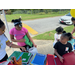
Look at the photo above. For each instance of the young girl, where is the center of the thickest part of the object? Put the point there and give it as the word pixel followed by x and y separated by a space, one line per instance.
pixel 63 46
pixel 3 42
pixel 19 32
pixel 57 35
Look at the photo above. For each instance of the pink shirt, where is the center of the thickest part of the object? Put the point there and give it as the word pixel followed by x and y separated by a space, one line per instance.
pixel 19 34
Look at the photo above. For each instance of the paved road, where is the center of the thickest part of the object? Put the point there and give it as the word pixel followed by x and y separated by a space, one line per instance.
pixel 40 25
pixel 45 24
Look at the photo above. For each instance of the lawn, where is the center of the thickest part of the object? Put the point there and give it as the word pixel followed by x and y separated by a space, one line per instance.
pixel 46 36
pixel 33 16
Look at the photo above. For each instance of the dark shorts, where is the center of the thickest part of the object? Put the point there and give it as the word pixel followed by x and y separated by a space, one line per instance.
pixel 5 58
pixel 27 47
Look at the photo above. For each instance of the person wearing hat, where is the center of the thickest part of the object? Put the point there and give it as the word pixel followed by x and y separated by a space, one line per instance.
pixel 19 32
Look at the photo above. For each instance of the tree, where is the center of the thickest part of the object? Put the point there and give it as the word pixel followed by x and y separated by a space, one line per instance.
pixel 12 10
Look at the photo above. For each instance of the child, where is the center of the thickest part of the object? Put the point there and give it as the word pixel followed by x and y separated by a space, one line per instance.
pixel 57 35
pixel 63 46
pixel 73 21
pixel 19 32
pixel 3 42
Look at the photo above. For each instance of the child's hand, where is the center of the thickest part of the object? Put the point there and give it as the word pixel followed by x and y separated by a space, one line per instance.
pixel 74 51
pixel 23 48
pixel 35 45
pixel 61 59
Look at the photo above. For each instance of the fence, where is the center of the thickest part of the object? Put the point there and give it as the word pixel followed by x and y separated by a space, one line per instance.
pixel 41 11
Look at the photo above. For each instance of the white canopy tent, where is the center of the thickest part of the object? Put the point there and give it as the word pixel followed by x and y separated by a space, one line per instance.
pixel 5 20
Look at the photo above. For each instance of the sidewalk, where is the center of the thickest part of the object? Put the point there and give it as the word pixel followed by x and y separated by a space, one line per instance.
pixel 43 47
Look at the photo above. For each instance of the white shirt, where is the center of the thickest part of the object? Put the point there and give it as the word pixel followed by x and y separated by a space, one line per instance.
pixel 56 37
pixel 3 40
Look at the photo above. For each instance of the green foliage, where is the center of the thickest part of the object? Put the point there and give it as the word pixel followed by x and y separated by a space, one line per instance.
pixel 9 12
pixel 31 16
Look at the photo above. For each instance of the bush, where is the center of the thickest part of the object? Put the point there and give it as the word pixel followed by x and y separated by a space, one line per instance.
pixel 28 12
pixel 42 13
pixel 9 12
pixel 19 12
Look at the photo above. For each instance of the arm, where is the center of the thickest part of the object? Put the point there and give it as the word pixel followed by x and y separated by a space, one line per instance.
pixel 31 39
pixel 70 48
pixel 73 37
pixel 73 31
pixel 14 40
pixel 60 57
pixel 55 51
pixel 14 46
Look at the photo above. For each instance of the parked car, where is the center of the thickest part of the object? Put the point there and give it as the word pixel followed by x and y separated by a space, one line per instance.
pixel 66 19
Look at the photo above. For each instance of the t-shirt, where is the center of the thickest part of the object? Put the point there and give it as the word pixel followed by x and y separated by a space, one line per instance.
pixel 19 34
pixel 56 37
pixel 63 48
pixel 3 40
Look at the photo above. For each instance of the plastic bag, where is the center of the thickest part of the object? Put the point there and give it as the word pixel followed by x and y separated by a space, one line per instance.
pixel 33 50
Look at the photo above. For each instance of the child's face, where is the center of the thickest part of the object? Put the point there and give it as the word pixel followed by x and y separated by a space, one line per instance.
pixel 18 28
pixel 2 30
pixel 63 39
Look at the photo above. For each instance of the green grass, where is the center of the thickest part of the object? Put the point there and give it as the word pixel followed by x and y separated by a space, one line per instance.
pixel 33 16
pixel 45 36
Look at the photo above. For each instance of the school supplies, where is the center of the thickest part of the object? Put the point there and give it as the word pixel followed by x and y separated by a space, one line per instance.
pixel 16 54
pixel 26 58
pixel 69 59
pixel 50 60
pixel 16 62
pixel 27 41
pixel 38 59
pixel 24 55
